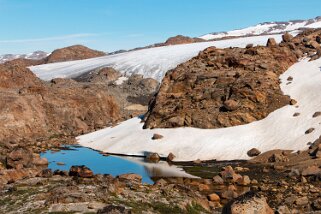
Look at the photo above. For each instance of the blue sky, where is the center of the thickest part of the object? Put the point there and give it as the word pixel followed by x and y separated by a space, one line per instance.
pixel 108 25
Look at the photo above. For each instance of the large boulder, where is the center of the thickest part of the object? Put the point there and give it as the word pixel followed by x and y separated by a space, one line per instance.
pixel 271 42
pixel 248 203
pixel 19 157
pixel 287 37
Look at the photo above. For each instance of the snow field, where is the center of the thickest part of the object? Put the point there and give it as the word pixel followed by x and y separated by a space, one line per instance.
pixel 280 130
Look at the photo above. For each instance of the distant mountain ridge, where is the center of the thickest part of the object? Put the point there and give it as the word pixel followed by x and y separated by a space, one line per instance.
pixel 266 28
pixel 75 52
pixel 34 56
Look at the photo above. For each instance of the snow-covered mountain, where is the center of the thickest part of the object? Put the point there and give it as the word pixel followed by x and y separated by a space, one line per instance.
pixel 267 28
pixel 34 55
pixel 155 62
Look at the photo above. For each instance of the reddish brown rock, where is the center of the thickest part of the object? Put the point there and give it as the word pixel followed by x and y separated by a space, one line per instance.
pixel 228 174
pixel 287 37
pixel 157 136
pixel 170 157
pixel 131 177
pixel 276 158
pixel 293 102
pixel 33 109
pixel 153 157
pixel 221 88
pixel 179 39
pixel 311 170
pixel 271 42
pixel 229 194
pixel 19 156
pixel 81 171
pixel 213 197
pixel 101 75
pixel 231 105
pixel 253 152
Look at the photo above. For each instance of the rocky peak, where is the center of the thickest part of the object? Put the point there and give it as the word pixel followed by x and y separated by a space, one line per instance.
pixel 179 39
pixel 75 52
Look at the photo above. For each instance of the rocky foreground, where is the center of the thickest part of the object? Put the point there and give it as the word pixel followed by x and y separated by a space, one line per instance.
pixel 228 86
pixel 275 181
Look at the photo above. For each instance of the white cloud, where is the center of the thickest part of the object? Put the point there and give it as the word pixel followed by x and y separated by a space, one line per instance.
pixel 48 39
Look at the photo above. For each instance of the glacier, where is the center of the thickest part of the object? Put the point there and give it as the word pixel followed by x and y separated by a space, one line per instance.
pixel 151 62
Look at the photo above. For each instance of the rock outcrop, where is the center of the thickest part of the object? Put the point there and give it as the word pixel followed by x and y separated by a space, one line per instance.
pixel 30 108
pixel 227 87
pixel 179 39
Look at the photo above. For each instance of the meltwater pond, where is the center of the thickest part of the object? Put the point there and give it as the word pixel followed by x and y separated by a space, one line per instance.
pixel 113 165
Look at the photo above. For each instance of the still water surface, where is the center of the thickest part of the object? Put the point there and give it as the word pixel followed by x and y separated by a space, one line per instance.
pixel 113 165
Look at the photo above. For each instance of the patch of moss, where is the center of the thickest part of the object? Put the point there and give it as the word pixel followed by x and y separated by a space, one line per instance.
pixel 202 171
pixel 164 208
pixel 195 209
pixel 62 212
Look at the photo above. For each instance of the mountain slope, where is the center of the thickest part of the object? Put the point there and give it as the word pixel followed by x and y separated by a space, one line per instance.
pixel 267 28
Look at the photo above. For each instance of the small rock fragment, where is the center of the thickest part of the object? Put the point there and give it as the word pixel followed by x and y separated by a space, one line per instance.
pixel 293 102
pixel 310 130
pixel 157 137
pixel 253 152
pixel 316 114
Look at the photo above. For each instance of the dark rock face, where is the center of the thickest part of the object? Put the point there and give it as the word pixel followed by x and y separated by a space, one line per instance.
pixel 227 87
pixel 81 171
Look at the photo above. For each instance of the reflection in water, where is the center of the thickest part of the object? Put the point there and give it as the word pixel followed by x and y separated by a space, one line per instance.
pixel 161 169
pixel 114 165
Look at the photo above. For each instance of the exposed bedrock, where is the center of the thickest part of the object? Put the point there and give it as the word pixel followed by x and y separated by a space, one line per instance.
pixel 228 87
pixel 30 108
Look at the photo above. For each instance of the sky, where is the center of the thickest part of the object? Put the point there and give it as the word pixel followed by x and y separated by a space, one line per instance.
pixel 109 25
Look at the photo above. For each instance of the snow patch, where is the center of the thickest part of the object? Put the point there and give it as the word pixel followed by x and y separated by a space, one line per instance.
pixel 121 80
